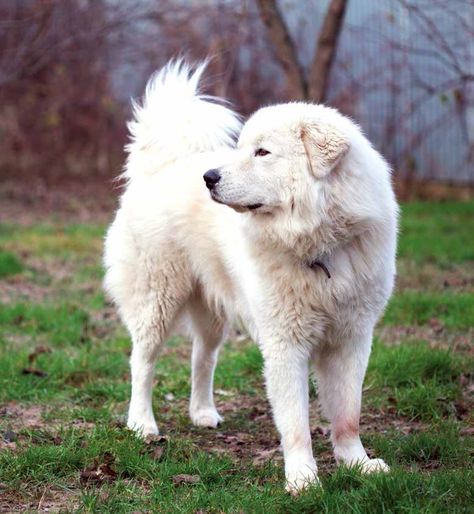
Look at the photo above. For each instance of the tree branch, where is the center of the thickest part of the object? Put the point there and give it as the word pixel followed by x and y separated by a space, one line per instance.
pixel 284 48
pixel 326 50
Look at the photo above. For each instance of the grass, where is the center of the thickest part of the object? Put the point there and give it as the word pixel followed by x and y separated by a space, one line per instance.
pixel 419 307
pixel 10 264
pixel 420 381
pixel 437 232
pixel 64 388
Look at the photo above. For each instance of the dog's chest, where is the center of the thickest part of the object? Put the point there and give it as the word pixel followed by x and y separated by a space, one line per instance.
pixel 307 306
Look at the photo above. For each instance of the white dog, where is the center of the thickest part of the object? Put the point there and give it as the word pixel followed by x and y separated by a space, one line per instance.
pixel 297 238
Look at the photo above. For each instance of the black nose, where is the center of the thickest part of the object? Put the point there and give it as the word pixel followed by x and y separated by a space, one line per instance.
pixel 211 178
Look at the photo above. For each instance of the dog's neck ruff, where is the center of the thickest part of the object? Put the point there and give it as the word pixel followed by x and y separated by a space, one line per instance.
pixel 318 264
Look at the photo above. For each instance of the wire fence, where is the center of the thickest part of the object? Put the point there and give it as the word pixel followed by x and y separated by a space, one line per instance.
pixel 405 72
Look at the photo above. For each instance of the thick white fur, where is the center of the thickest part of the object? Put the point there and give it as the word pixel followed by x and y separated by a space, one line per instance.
pixel 173 254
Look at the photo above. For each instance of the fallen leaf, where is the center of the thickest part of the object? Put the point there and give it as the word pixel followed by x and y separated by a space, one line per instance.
pixel 154 439
pixel 38 351
pixel 436 325
pixel 154 446
pixel 108 458
pixel 119 422
pixel 7 446
pixel 186 479
pixel 157 453
pixel 99 473
pixel 35 372
pixel 264 456
pixel 10 436
pixel 461 409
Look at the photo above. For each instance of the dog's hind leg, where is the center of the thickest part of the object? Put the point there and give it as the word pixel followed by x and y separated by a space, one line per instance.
pixel 207 334
pixel 147 343
pixel 340 374
pixel 150 295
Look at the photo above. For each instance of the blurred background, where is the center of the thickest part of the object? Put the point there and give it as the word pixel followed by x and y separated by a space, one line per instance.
pixel 404 69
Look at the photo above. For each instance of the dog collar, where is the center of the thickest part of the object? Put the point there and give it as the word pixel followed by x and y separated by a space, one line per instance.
pixel 315 263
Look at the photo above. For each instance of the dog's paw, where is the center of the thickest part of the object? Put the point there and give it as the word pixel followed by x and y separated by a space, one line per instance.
pixel 143 429
pixel 299 479
pixel 374 466
pixel 207 417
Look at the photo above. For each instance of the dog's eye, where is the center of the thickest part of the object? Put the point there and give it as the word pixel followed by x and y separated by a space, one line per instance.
pixel 261 152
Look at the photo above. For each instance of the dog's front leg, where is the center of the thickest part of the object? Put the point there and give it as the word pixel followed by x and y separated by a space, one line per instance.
pixel 286 375
pixel 340 371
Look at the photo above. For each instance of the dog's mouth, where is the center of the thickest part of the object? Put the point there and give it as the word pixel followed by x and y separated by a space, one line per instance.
pixel 254 206
pixel 236 207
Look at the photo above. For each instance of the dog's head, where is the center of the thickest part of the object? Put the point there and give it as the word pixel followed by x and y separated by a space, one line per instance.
pixel 283 153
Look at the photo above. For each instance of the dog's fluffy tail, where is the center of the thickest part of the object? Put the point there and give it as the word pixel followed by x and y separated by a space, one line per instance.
pixel 175 120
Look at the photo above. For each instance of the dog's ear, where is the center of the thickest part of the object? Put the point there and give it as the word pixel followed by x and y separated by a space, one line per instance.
pixel 324 145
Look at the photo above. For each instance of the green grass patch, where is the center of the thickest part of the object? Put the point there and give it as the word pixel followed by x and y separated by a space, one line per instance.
pixel 241 369
pixel 441 447
pixel 417 308
pixel 64 324
pixel 408 364
pixel 9 264
pixel 146 483
pixel 41 462
pixel 53 240
pixel 437 232
pixel 84 374
pixel 422 382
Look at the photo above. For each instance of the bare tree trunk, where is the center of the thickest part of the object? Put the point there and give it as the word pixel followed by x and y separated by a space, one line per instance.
pixel 325 51
pixel 284 48
pixel 315 87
